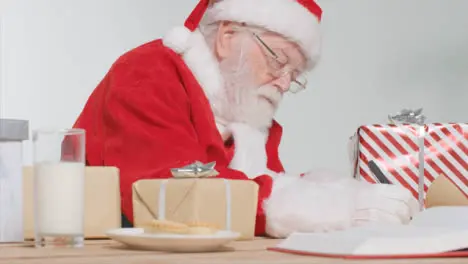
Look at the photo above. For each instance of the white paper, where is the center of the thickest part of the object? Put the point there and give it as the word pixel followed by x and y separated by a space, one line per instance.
pixel 435 230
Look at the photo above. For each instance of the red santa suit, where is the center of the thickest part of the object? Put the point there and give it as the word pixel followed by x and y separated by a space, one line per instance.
pixel 149 114
pixel 153 112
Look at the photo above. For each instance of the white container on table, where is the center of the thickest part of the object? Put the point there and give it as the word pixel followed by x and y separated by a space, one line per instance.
pixel 12 134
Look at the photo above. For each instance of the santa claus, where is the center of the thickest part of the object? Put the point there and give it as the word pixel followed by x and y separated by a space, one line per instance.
pixel 208 91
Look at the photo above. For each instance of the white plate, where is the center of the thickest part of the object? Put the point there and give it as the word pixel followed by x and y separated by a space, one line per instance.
pixel 136 238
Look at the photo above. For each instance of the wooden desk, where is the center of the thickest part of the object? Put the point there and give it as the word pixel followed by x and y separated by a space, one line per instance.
pixel 110 252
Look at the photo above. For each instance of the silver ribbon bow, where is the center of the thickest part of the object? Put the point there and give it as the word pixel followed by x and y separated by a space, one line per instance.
pixel 416 117
pixel 195 170
pixel 408 116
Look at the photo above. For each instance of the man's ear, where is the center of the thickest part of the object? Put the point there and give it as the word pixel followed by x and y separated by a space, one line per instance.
pixel 224 39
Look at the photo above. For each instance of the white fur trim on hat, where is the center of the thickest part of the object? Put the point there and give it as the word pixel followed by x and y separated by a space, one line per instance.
pixel 178 39
pixel 286 17
pixel 198 57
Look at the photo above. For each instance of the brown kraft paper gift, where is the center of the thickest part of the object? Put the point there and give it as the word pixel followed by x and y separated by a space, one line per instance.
pixel 194 200
pixel 102 201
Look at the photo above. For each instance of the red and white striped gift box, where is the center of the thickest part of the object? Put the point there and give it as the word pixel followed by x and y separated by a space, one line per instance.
pixel 398 149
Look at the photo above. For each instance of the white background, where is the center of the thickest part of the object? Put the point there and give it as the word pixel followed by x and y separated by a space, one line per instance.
pixel 378 57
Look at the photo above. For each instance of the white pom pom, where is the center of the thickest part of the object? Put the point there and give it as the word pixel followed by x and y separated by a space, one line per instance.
pixel 178 39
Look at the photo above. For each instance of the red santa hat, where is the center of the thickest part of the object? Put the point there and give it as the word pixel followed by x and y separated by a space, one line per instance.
pixel 297 20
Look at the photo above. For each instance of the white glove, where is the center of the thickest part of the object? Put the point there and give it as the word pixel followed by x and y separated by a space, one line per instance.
pixel 321 202
pixel 377 203
pixel 384 203
pixel 250 155
pixel 302 205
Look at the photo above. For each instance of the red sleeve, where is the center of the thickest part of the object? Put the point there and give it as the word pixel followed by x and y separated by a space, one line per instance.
pixel 265 183
pixel 149 129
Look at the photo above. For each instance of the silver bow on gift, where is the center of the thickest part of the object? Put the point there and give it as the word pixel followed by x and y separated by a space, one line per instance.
pixel 408 116
pixel 195 170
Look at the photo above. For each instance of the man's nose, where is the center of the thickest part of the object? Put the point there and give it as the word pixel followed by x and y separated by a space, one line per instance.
pixel 283 82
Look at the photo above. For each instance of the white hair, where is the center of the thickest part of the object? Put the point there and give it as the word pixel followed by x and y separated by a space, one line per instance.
pixel 209 32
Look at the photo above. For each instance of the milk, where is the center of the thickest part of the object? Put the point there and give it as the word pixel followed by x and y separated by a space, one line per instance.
pixel 59 198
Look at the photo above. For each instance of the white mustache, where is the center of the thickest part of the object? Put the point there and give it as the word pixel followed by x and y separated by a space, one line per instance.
pixel 271 93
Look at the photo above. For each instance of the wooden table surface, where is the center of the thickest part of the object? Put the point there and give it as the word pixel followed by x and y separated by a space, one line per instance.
pixel 108 251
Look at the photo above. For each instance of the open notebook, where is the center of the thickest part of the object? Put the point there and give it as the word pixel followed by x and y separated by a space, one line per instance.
pixel 435 232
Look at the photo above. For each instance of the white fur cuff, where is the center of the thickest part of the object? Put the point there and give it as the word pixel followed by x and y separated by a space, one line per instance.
pixel 316 203
pixel 300 205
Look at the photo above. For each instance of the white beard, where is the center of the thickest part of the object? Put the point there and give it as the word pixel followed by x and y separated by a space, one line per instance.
pixel 242 101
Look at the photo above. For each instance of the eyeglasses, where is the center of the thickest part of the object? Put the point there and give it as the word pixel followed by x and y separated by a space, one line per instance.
pixel 280 69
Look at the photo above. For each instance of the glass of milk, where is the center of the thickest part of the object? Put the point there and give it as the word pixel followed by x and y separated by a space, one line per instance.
pixel 59 170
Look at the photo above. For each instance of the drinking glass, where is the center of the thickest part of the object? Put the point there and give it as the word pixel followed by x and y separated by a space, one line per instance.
pixel 59 170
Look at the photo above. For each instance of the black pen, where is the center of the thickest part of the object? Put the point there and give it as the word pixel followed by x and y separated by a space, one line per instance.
pixel 378 173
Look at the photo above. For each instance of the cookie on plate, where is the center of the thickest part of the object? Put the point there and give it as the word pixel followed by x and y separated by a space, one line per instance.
pixel 165 226
pixel 202 231
pixel 198 228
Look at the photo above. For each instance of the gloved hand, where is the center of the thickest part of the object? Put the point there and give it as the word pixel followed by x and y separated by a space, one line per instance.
pixel 321 201
pixel 249 149
pixel 384 203
pixel 379 203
